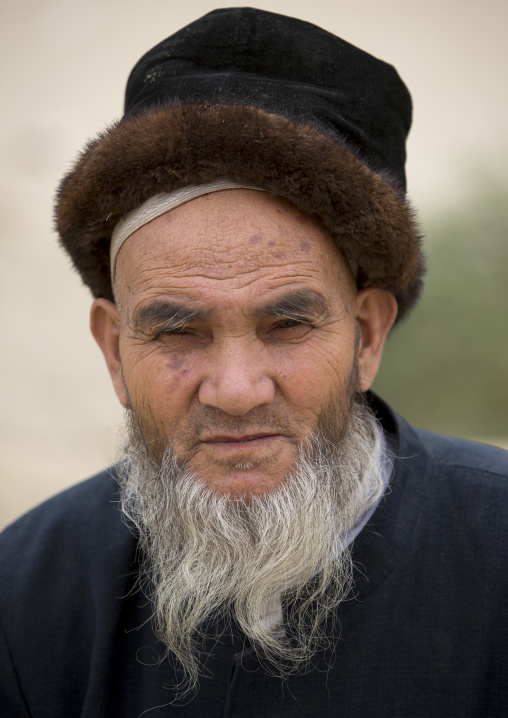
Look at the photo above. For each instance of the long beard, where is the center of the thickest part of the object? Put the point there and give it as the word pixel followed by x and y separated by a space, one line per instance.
pixel 207 556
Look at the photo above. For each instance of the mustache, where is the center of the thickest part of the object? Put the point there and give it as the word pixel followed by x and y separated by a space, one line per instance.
pixel 205 422
pixel 226 425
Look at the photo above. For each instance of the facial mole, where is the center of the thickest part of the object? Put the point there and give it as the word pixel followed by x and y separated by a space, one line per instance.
pixel 177 364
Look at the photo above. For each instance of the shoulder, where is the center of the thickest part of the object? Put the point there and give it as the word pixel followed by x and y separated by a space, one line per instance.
pixel 63 568
pixel 86 508
pixel 466 488
pixel 472 468
pixel 460 454
pixel 79 530
pixel 448 482
pixel 432 456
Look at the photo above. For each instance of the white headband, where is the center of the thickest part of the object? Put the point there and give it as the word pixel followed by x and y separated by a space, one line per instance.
pixel 160 204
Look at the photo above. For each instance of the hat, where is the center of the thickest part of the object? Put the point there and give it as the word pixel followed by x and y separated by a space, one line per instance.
pixel 265 100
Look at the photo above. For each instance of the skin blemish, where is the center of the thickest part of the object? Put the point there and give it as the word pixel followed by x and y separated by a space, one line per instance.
pixel 271 243
pixel 255 239
pixel 305 247
pixel 177 364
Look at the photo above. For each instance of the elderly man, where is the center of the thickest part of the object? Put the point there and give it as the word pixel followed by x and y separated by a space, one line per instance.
pixel 274 540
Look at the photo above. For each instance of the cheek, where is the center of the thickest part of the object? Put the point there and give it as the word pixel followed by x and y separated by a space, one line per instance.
pixel 312 375
pixel 159 386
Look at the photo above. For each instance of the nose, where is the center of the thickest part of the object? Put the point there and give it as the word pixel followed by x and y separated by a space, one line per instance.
pixel 238 379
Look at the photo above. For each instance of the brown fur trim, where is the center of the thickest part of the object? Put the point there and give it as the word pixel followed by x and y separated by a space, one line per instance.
pixel 177 145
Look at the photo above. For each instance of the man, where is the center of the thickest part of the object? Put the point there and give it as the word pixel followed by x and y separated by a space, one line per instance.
pixel 274 540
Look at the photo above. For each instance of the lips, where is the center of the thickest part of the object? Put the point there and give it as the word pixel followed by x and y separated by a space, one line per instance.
pixel 227 438
pixel 239 444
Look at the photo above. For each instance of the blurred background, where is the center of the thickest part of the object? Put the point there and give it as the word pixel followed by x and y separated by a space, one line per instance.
pixel 63 70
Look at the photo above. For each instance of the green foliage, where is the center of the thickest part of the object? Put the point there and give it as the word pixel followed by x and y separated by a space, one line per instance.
pixel 446 367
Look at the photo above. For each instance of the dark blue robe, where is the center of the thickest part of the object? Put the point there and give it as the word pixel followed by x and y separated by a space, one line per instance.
pixel 424 633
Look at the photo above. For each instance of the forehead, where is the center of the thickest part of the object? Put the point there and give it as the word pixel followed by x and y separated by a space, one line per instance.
pixel 228 242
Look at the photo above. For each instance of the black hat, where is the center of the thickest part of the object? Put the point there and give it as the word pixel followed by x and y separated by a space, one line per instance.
pixel 268 100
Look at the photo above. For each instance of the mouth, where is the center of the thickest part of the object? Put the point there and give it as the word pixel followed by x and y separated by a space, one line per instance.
pixel 236 438
pixel 229 443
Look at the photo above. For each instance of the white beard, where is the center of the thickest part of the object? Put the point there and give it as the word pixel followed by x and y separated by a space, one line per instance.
pixel 206 555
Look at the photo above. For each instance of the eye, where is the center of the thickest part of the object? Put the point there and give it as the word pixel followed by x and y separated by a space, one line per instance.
pixel 184 338
pixel 288 323
pixel 289 329
pixel 174 330
pixel 171 332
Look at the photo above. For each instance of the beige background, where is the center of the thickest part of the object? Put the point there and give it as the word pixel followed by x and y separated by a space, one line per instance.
pixel 63 70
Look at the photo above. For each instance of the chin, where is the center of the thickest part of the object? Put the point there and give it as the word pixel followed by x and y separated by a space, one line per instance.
pixel 244 476
pixel 243 481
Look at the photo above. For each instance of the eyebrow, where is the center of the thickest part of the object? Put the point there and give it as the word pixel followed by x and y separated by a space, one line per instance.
pixel 160 314
pixel 163 314
pixel 299 304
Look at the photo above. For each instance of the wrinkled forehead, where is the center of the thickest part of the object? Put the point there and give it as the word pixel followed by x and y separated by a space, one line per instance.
pixel 160 204
pixel 234 236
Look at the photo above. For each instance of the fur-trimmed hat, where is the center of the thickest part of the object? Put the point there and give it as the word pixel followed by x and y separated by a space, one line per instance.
pixel 266 100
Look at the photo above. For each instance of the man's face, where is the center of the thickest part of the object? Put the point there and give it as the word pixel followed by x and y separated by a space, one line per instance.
pixel 237 330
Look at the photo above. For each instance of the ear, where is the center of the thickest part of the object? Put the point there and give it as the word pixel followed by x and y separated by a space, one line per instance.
pixel 105 328
pixel 376 310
